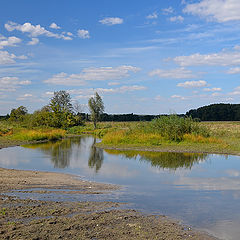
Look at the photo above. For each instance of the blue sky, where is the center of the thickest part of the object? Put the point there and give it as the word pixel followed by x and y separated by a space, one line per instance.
pixel 145 57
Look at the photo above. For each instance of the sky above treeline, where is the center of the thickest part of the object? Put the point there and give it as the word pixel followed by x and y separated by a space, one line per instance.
pixel 144 57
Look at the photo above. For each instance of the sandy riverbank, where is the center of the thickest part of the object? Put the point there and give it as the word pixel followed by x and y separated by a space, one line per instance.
pixel 34 219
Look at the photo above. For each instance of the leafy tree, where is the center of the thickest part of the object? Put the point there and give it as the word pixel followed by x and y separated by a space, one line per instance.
pixel 61 107
pixel 18 114
pixel 96 108
pixel 61 102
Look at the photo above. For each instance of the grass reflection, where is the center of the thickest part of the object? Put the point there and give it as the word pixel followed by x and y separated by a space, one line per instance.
pixel 164 160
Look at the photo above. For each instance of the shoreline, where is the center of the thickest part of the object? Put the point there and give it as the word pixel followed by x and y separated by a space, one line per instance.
pixel 170 148
pixel 167 148
pixel 27 217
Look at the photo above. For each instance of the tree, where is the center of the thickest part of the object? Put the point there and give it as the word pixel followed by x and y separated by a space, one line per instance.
pixel 18 114
pixel 96 108
pixel 61 102
pixel 61 107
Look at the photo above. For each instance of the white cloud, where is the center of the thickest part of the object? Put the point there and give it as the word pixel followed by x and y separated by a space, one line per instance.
pixel 7 58
pixel 178 97
pixel 25 96
pixel 111 21
pixel 34 41
pixel 168 10
pixel 34 31
pixel 235 70
pixel 158 98
pixel 193 84
pixel 223 58
pixel 9 42
pixel 54 26
pixel 178 73
pixel 83 33
pixel 217 10
pixel 92 74
pixel 152 16
pixel 10 84
pixel 89 92
pixel 212 89
pixel 176 19
pixel 113 83
pixel 236 91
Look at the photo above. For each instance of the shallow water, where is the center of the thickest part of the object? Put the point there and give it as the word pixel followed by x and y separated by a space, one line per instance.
pixel 199 189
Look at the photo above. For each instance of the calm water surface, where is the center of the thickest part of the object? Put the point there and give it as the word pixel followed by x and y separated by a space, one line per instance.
pixel 199 189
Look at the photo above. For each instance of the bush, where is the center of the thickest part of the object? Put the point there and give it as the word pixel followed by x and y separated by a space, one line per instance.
pixel 173 128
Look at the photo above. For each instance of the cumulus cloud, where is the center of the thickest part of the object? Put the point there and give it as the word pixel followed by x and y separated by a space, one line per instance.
pixel 235 70
pixel 34 41
pixel 113 83
pixel 25 96
pixel 176 19
pixel 92 74
pixel 9 42
pixel 217 10
pixel 10 84
pixel 54 26
pixel 236 91
pixel 111 21
pixel 178 97
pixel 168 10
pixel 83 33
pixel 7 58
pixel 152 16
pixel 178 73
pixel 34 31
pixel 193 84
pixel 214 89
pixel 89 92
pixel 223 58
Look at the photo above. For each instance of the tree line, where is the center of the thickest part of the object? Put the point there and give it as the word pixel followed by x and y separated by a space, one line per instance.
pixel 216 112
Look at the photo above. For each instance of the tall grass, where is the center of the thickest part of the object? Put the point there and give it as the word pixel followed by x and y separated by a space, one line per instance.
pixel 38 135
pixel 161 130
pixel 174 128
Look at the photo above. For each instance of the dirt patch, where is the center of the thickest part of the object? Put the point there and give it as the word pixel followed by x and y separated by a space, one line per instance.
pixel 34 219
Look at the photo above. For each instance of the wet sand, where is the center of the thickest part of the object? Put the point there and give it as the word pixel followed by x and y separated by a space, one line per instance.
pixel 34 219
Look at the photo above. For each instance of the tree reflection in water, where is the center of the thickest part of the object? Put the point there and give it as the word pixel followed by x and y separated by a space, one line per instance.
pixel 164 160
pixel 96 157
pixel 60 151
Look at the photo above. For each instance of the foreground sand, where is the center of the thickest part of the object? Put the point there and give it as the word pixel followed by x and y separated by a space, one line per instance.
pixel 34 219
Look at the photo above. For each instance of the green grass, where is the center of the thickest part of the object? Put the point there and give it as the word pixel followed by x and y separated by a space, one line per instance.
pixel 211 137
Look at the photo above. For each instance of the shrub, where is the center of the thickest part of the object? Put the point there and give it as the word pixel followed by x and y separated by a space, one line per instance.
pixel 173 128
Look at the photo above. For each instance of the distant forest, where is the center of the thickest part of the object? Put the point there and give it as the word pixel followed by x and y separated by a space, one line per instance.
pixel 216 112
pixel 213 112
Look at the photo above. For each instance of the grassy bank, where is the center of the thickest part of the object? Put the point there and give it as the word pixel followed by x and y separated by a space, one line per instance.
pixel 13 134
pixel 209 137
pixel 218 137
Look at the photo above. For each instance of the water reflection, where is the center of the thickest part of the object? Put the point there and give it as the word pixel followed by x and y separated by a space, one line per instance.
pixel 96 157
pixel 61 152
pixel 164 160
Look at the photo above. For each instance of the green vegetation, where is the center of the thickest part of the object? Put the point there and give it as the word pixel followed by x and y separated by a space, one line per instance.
pixel 186 136
pixel 96 108
pixel 163 129
pixel 162 133
pixel 216 112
